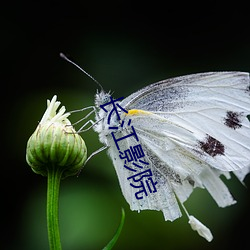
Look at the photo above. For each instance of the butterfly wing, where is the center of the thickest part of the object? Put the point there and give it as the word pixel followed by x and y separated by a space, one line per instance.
pixel 192 129
pixel 164 199
pixel 211 106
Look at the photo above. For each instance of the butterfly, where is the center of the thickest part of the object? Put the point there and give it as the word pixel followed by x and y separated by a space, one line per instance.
pixel 177 134
pixel 192 129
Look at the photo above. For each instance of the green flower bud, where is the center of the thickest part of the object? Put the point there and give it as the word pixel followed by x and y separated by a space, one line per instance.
pixel 55 144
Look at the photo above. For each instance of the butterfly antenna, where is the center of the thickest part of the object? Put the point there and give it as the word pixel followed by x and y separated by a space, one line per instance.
pixel 90 76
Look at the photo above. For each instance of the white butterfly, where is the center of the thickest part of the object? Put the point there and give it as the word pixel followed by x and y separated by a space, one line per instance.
pixel 192 129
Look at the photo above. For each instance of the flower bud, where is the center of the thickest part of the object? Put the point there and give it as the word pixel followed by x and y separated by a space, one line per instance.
pixel 55 144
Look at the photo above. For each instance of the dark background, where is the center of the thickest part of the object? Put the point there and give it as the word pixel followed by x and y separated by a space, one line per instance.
pixel 125 45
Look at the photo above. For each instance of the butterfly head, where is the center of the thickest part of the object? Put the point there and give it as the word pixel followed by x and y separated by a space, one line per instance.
pixel 101 97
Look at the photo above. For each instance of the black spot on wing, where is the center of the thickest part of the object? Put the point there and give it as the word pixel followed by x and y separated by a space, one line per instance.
pixel 190 181
pixel 212 146
pixel 233 119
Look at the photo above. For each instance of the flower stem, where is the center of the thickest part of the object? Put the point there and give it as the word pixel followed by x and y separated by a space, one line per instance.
pixel 54 177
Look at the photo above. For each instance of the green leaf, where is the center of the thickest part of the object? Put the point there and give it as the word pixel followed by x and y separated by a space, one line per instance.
pixel 117 234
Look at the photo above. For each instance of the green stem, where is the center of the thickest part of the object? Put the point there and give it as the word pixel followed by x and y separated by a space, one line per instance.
pixel 54 177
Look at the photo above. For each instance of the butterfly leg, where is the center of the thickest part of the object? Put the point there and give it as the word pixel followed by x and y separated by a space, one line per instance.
pixel 96 152
pixel 81 129
pixel 86 116
pixel 92 154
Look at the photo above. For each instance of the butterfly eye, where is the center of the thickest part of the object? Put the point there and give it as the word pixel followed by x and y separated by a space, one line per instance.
pixel 106 99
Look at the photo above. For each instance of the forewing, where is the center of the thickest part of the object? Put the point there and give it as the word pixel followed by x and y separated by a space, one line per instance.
pixel 212 107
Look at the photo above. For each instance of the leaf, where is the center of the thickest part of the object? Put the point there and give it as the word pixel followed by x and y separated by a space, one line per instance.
pixel 117 234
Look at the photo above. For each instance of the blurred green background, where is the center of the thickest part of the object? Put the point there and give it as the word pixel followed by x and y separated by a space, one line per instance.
pixel 125 47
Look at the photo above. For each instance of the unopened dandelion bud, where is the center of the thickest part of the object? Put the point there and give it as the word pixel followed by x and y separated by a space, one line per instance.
pixel 55 143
